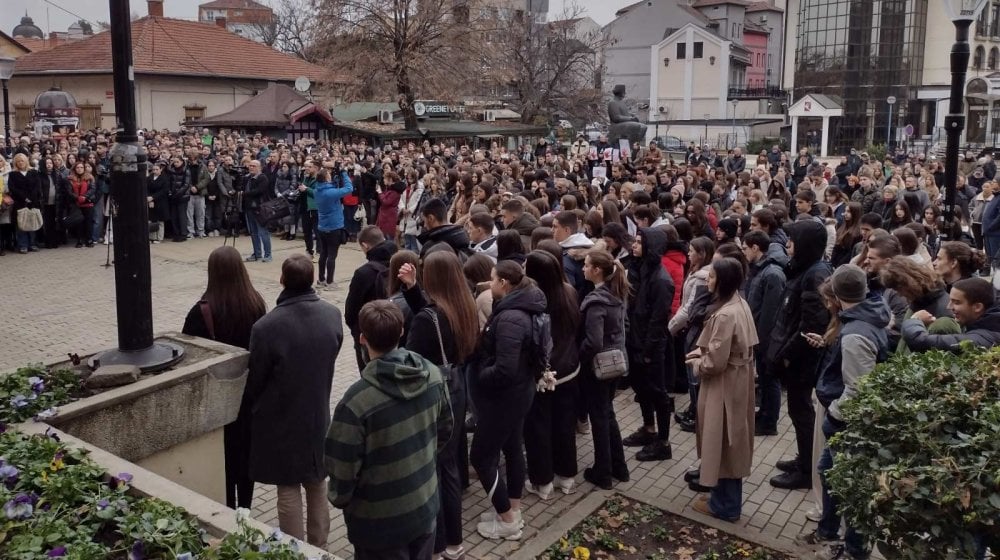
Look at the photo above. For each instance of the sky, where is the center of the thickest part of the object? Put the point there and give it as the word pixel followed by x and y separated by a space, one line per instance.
pixel 52 15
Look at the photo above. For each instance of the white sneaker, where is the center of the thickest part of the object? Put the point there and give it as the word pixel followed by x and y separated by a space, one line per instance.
pixel 544 492
pixel 320 285
pixel 493 516
pixel 566 485
pixel 582 428
pixel 814 514
pixel 497 529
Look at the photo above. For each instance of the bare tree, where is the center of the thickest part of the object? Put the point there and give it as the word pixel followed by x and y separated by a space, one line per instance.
pixel 399 49
pixel 290 29
pixel 554 68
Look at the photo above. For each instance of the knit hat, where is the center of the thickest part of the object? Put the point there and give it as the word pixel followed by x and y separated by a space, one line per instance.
pixel 850 283
pixel 730 227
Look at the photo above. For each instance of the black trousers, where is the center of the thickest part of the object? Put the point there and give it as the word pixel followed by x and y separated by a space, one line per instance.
pixel 803 417
pixel 50 226
pixel 178 219
pixel 449 465
pixel 329 246
pixel 500 429
pixel 310 219
pixel 550 434
pixel 609 454
pixel 85 229
pixel 650 384
pixel 213 215
pixel 420 548
pixel 236 442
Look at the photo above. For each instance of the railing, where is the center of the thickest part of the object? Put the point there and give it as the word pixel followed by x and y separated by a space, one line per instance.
pixel 770 92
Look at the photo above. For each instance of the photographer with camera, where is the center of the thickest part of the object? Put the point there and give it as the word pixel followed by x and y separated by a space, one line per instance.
pixel 329 197
pixel 257 192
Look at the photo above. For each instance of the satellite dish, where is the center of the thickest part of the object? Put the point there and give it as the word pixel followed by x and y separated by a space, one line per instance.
pixel 302 84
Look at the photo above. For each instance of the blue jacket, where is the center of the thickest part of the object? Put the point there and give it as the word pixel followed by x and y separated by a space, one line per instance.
pixel 863 343
pixel 329 202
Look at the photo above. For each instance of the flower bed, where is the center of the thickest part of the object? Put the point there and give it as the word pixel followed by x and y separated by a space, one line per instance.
pixel 57 502
pixel 625 529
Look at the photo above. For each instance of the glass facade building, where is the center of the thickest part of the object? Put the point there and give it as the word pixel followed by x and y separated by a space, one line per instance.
pixel 861 52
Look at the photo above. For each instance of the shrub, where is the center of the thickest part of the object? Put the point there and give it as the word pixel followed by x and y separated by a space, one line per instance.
pixel 918 468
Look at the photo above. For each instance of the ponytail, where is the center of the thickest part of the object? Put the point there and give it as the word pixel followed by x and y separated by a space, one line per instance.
pixel 613 271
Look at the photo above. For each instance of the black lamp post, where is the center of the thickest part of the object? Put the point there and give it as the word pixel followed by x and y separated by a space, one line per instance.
pixel 6 71
pixel 962 13
pixel 130 219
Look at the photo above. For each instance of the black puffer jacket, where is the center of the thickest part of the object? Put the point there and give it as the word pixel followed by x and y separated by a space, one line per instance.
pixel 649 312
pixel 503 365
pixel 453 235
pixel 365 282
pixel 179 184
pixel 802 309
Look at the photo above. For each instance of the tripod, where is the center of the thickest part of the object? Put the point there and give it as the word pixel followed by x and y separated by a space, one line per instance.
pixel 108 239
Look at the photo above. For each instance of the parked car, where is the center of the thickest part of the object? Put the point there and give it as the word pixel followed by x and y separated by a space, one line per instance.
pixel 670 144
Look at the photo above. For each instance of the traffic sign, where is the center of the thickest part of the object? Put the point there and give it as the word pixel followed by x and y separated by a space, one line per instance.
pixel 891 100
pixel 908 130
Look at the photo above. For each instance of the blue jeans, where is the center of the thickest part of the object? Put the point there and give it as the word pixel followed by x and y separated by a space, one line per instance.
pixel 25 239
pixel 410 243
pixel 726 499
pixel 829 524
pixel 258 236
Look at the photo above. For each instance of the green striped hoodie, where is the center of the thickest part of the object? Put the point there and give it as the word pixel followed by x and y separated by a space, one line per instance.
pixel 381 450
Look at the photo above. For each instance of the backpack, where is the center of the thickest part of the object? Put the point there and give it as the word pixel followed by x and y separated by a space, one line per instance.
pixel 381 280
pixel 539 348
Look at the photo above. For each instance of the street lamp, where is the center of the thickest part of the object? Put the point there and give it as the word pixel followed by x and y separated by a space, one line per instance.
pixel 6 71
pixel 962 13
pixel 736 140
pixel 707 116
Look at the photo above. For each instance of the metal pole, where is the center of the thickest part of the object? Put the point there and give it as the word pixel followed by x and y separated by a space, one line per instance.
pixel 954 123
pixel 133 282
pixel 888 128
pixel 6 118
pixel 735 143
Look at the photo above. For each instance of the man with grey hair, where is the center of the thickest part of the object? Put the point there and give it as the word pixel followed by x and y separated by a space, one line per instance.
pixel 256 192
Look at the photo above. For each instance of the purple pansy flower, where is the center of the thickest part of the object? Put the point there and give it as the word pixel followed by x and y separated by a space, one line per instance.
pixel 57 552
pixel 8 472
pixel 19 401
pixel 21 507
pixel 137 552
pixel 37 384
pixel 102 504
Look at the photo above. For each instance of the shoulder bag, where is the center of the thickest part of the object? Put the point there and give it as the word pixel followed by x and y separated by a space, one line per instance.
pixel 29 219
pixel 611 363
pixel 272 210
pixel 446 367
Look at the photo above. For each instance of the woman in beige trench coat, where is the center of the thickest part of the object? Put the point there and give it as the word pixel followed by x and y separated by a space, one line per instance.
pixel 723 361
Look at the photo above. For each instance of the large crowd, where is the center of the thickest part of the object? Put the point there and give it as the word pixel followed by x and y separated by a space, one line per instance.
pixel 508 296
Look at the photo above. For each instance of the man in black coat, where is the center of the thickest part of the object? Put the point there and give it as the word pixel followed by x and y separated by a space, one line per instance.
pixel 258 191
pixel 648 319
pixel 789 356
pixel 438 230
pixel 293 350
pixel 369 282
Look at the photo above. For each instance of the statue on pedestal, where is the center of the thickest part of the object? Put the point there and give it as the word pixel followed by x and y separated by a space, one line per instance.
pixel 623 123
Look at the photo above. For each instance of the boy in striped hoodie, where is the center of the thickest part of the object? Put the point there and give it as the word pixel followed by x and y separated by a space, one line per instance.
pixel 381 449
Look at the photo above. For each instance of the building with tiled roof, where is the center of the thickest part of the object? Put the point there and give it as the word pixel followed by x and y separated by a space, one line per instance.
pixel 243 17
pixel 184 70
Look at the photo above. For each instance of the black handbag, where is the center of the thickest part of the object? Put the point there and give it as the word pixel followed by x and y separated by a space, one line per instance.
pixel 273 210
pixel 73 218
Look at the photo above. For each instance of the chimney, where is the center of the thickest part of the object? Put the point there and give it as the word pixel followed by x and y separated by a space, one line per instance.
pixel 220 22
pixel 53 39
pixel 155 7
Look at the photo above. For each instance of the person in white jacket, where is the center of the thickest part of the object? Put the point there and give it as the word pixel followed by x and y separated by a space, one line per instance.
pixel 409 204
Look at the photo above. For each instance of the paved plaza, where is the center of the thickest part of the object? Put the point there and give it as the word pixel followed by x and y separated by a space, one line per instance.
pixel 62 300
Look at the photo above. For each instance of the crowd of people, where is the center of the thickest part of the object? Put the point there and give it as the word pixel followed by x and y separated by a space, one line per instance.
pixel 508 296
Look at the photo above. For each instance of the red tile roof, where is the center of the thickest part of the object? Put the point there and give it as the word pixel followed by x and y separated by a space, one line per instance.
pixel 233 4
pixel 169 46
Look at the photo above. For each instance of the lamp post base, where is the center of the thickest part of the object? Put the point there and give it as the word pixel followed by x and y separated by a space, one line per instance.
pixel 158 357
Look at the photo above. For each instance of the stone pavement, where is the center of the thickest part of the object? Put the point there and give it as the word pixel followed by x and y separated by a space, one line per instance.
pixel 62 300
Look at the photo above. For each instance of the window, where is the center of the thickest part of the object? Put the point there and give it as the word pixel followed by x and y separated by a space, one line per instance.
pixel 977 59
pixel 995 20
pixel 699 50
pixel 981 23
pixel 192 112
pixel 681 51
pixel 994 58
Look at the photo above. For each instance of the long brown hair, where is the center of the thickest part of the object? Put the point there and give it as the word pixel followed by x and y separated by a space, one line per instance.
pixel 236 305
pixel 833 327
pixel 444 283
pixel 613 272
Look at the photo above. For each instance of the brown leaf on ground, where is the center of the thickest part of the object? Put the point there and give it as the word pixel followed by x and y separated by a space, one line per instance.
pixel 684 553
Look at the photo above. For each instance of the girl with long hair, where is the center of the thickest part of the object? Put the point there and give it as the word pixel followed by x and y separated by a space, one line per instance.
pixel 550 428
pixel 602 327
pixel 444 330
pixel 227 312
pixel 957 261
pixel 80 195
pixel 848 235
pixel 700 253
pixel 723 362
